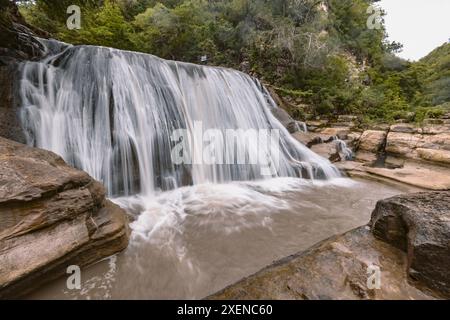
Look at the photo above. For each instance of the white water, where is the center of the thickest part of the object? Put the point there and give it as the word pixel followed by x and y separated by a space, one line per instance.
pixel 111 113
pixel 193 241
pixel 345 152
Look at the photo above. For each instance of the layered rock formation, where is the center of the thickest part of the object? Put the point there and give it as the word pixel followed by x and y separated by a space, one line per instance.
pixel 417 156
pixel 51 216
pixel 407 239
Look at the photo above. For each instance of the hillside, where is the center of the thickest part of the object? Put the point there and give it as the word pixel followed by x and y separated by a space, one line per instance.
pixel 437 80
pixel 320 55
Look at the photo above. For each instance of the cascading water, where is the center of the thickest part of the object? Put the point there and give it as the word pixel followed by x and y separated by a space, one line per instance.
pixel 344 151
pixel 112 114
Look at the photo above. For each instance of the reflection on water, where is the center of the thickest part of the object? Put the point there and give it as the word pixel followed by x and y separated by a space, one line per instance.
pixel 191 242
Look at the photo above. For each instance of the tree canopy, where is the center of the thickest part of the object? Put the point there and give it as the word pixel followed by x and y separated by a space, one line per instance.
pixel 319 51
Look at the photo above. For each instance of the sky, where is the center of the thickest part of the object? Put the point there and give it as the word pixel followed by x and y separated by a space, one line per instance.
pixel 420 25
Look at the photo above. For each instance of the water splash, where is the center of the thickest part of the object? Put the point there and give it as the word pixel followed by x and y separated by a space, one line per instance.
pixel 344 151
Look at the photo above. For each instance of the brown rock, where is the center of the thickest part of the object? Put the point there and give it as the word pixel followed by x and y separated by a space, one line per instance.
pixel 402 143
pixel 340 132
pixel 441 156
pixel 438 141
pixel 328 151
pixel 372 140
pixel 419 225
pixel 52 216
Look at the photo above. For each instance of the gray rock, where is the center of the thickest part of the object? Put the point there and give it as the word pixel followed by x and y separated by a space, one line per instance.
pixel 286 120
pixel 419 224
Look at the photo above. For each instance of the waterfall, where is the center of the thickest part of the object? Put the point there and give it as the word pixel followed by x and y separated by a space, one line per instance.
pixel 341 147
pixel 113 113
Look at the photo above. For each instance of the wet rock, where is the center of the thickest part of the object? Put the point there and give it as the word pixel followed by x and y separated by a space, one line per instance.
pixel 419 225
pixel 335 269
pixel 328 151
pixel 52 216
pixel 285 120
pixel 422 176
pixel 310 139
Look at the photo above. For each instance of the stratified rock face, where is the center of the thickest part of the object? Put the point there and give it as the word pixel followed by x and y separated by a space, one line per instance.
pixel 431 143
pixel 419 224
pixel 51 216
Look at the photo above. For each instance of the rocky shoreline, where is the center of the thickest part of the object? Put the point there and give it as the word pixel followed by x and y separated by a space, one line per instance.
pixel 407 239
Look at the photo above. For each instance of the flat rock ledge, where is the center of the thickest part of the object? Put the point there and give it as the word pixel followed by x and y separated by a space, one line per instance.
pixel 407 238
pixel 51 216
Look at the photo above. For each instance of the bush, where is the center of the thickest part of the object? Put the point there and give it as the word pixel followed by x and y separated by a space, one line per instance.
pixel 423 113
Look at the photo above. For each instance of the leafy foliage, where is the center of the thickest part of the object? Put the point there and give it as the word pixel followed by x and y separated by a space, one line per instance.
pixel 320 53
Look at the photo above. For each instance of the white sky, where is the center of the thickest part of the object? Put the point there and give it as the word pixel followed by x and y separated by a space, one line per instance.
pixel 420 25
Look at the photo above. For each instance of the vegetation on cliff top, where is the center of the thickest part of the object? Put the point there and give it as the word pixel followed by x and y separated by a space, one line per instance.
pixel 320 54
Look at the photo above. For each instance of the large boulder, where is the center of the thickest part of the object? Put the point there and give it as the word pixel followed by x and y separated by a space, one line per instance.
pixel 51 216
pixel 372 141
pixel 419 225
